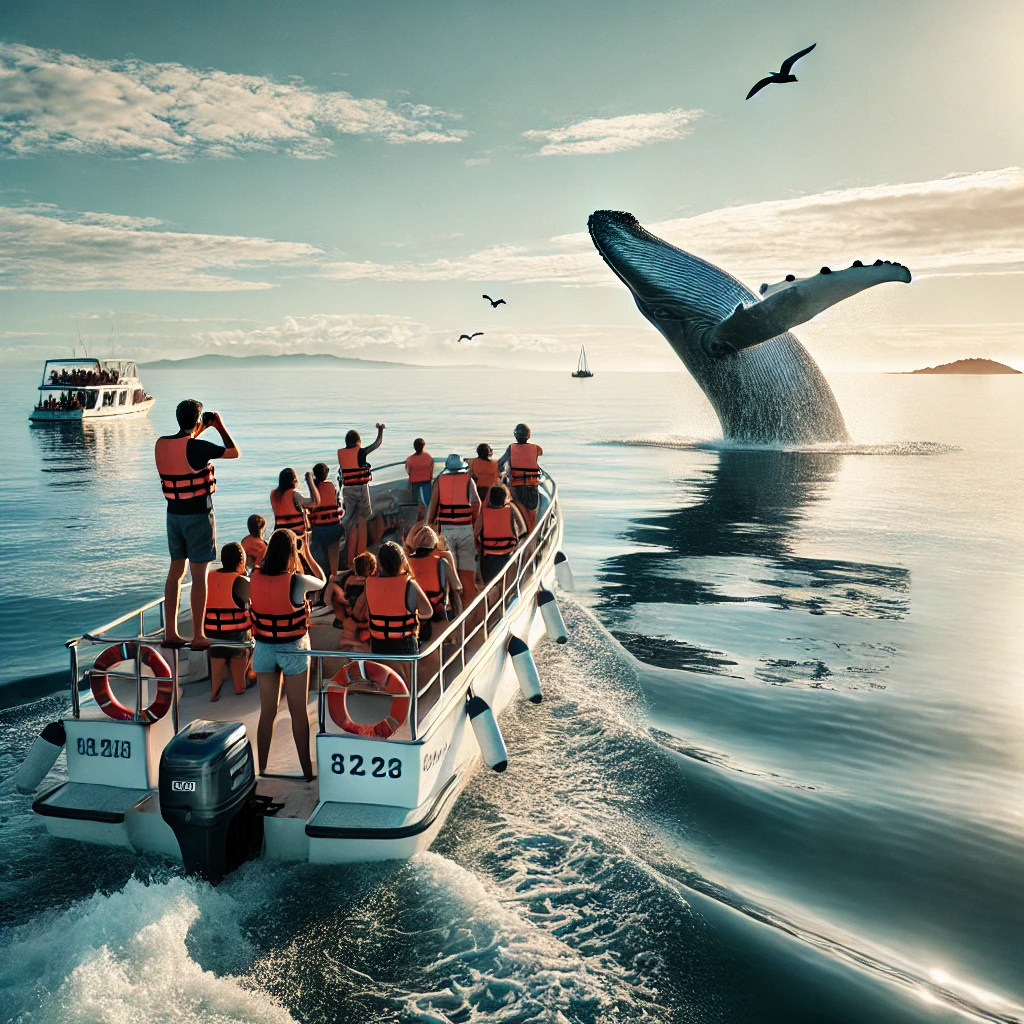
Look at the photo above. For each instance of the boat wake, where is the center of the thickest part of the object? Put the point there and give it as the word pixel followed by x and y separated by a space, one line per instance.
pixel 682 443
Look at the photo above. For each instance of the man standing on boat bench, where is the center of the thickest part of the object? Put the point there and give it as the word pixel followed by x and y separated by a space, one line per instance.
pixel 188 483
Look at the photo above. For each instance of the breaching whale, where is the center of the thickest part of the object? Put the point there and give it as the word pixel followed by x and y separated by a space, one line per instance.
pixel 762 383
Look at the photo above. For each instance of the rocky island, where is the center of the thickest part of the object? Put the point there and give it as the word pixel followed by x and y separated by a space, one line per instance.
pixel 968 366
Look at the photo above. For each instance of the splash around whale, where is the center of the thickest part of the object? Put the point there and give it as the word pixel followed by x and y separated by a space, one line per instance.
pixel 763 384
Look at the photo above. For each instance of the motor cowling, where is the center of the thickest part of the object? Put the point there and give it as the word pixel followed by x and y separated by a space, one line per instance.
pixel 207 785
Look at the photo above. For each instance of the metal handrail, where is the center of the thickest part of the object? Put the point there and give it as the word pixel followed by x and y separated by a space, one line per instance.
pixel 520 567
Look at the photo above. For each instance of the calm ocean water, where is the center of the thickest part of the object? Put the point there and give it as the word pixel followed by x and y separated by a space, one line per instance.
pixel 779 775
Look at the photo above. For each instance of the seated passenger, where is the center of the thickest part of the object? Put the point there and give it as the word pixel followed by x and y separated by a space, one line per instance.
pixel 325 521
pixel 394 603
pixel 484 469
pixel 279 611
pixel 290 507
pixel 343 593
pixel 436 575
pixel 420 467
pixel 254 546
pixel 499 528
pixel 226 619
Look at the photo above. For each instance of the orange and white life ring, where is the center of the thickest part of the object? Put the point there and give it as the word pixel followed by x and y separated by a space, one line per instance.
pixel 113 708
pixel 368 676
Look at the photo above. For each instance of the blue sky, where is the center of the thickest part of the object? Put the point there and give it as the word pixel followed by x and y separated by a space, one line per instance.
pixel 350 178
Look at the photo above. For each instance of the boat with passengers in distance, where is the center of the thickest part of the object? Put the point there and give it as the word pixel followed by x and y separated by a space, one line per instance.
pixel 582 367
pixel 154 766
pixel 87 389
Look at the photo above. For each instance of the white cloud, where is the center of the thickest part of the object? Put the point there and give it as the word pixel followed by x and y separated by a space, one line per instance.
pixel 598 135
pixel 965 223
pixel 46 248
pixel 54 101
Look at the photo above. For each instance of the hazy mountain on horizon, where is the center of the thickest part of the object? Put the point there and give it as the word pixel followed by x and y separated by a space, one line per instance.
pixel 973 365
pixel 213 359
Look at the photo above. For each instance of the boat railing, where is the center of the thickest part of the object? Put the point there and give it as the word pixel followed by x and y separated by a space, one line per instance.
pixel 431 675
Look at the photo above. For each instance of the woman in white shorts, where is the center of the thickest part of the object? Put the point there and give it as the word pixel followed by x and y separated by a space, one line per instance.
pixel 279 612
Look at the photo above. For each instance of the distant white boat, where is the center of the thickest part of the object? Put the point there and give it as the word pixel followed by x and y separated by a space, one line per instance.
pixel 87 389
pixel 582 369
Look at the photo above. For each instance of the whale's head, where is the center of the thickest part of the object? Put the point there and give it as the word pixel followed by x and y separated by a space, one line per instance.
pixel 681 294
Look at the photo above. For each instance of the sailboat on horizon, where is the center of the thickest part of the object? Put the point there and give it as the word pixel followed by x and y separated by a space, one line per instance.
pixel 582 368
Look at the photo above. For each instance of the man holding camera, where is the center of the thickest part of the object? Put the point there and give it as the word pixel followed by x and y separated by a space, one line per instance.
pixel 188 482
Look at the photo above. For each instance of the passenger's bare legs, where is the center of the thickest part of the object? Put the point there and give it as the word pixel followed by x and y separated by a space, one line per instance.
pixel 198 602
pixel 270 697
pixel 238 667
pixel 217 666
pixel 172 598
pixel 333 551
pixel 296 692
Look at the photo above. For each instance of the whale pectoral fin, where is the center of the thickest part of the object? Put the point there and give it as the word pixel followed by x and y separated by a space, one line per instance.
pixel 796 304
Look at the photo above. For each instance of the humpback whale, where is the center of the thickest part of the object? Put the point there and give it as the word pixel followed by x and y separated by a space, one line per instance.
pixel 763 384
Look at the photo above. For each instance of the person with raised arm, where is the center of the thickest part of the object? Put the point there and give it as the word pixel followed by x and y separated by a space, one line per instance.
pixel 355 489
pixel 188 483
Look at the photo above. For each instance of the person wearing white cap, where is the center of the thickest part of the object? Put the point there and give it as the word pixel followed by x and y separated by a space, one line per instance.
pixel 454 506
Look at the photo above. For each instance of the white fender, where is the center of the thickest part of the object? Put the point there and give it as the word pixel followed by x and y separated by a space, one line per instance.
pixel 563 573
pixel 553 621
pixel 526 669
pixel 488 735
pixel 41 757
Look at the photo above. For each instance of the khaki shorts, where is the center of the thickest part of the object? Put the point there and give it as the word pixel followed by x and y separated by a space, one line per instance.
pixel 355 500
pixel 461 543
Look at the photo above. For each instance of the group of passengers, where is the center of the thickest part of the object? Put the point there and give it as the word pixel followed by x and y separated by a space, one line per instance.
pixel 318 554
pixel 79 377
pixel 69 401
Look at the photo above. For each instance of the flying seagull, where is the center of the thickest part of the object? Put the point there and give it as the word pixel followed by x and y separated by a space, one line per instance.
pixel 783 74
pixel 495 303
pixel 470 337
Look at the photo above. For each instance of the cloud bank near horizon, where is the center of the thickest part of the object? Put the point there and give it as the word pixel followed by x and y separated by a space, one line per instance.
pixel 963 223
pixel 52 101
pixel 601 135
pixel 44 248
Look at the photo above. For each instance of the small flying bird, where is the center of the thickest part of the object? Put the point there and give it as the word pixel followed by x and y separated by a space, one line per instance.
pixel 495 303
pixel 470 337
pixel 783 75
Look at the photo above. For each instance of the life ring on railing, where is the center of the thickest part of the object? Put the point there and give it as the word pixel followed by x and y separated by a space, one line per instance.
pixel 113 708
pixel 373 677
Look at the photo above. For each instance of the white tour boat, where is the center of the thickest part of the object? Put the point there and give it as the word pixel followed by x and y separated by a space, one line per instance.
pixel 164 770
pixel 88 389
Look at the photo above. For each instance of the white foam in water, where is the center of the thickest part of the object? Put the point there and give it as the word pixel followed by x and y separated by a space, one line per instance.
pixel 124 958
pixel 496 965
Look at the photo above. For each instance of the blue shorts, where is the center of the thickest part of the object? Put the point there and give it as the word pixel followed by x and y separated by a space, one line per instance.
pixel 271 657
pixel 421 492
pixel 193 537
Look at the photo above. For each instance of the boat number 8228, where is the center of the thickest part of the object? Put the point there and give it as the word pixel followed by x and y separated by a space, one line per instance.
pixel 378 767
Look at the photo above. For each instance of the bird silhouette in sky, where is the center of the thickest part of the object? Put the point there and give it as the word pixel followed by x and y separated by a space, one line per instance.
pixel 470 337
pixel 784 74
pixel 495 303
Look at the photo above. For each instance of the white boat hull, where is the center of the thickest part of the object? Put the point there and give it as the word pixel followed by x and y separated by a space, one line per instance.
pixel 89 415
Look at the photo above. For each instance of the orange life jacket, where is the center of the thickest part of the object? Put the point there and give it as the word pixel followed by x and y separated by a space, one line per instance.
pixel 222 614
pixel 525 468
pixel 427 571
pixel 326 513
pixel 486 473
pixel 420 468
pixel 287 515
pixel 254 547
pixel 498 535
pixel 453 498
pixel 351 472
pixel 177 477
pixel 275 620
pixel 390 618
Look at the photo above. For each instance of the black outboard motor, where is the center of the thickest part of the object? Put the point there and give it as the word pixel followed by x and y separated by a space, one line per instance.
pixel 207 779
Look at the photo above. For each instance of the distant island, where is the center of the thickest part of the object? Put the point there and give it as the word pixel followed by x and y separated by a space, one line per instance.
pixel 968 366
pixel 303 359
